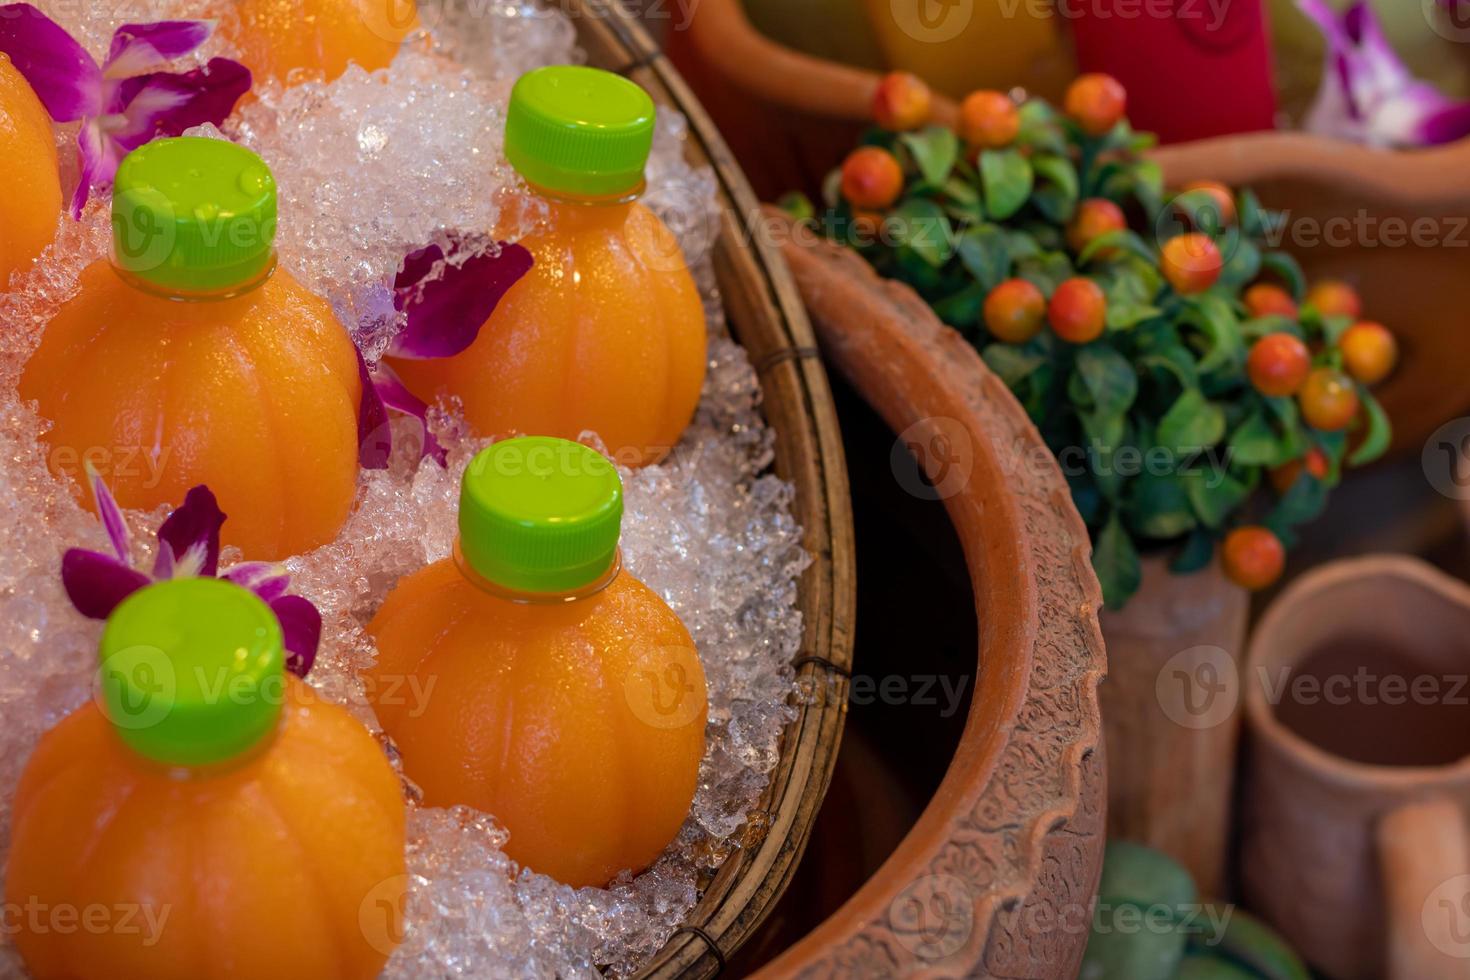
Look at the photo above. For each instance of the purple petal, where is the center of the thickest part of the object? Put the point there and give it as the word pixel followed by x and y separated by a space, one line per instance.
pixel 267 580
pixel 1445 124
pixel 141 48
pixel 109 514
pixel 447 304
pixel 302 626
pixel 400 399
pixel 66 79
pixel 96 583
pixel 166 104
pixel 191 534
pixel 374 434
pixel 100 157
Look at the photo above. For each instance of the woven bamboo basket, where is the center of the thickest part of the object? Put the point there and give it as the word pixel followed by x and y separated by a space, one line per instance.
pixel 766 316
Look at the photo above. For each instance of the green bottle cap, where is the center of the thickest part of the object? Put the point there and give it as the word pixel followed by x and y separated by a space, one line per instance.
pixel 579 131
pixel 192 671
pixel 193 215
pixel 540 515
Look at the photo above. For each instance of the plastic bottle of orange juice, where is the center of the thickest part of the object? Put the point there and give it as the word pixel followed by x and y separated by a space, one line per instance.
pixel 606 332
pixel 531 677
pixel 207 814
pixel 31 204
pixel 317 39
pixel 191 358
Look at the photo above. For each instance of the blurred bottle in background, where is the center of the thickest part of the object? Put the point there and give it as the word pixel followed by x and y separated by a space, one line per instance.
pixel 1193 68
pixel 958 46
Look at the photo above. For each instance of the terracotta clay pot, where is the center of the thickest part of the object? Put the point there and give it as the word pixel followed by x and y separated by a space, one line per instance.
pixel 1354 836
pixel 1392 223
pixel 997 876
pixel 1171 731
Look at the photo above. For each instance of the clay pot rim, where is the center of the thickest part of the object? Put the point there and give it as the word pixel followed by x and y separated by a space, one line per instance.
pixel 1262 717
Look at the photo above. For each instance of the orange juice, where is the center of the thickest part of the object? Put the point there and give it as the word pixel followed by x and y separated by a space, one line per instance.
pixel 191 359
pixel 291 39
pixel 31 204
pixel 606 332
pixel 217 835
pixel 531 678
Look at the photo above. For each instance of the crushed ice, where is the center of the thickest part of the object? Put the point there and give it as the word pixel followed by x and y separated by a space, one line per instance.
pixel 706 529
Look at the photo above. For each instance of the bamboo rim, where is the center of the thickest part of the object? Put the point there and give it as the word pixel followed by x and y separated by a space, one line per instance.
pixel 766 315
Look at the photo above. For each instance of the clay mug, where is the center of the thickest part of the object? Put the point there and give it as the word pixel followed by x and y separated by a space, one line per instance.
pixel 1355 842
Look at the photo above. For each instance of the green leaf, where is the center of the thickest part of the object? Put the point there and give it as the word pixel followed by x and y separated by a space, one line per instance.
pixel 1115 561
pixel 984 251
pixel 1148 186
pixel 1046 272
pixel 962 201
pixel 1379 435
pixel 1255 443
pixel 962 309
pixel 1285 267
pixel 1333 327
pixel 1213 315
pixel 1198 550
pixel 1011 363
pixel 1057 198
pixel 1007 178
pixel 1175 359
pixel 1123 240
pixel 1304 502
pixel 1122 316
pixel 1109 379
pixel 923 227
pixel 1191 423
pixel 1022 245
pixel 1214 495
pixel 935 150
pixel 1242 262
pixel 1253 220
pixel 1159 506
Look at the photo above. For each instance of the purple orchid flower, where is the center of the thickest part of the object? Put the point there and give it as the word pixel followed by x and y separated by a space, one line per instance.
pixel 1368 94
pixel 188 545
pixel 446 304
pixel 126 101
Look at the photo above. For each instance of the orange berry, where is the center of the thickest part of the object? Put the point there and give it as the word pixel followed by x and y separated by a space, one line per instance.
pixel 867 226
pixel 1264 299
pixel 1334 298
pixel 1328 400
pixel 1078 311
pixel 1095 217
pixel 1014 311
pixel 1096 103
pixel 871 179
pixel 1278 365
pixel 1223 198
pixel 1191 262
pixel 902 102
pixel 1253 557
pixel 1369 351
pixel 989 120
